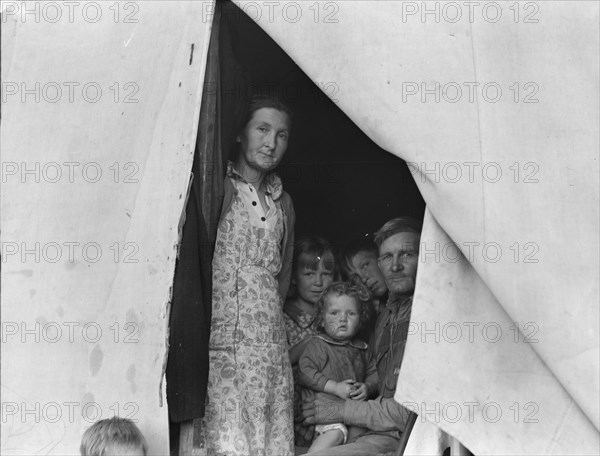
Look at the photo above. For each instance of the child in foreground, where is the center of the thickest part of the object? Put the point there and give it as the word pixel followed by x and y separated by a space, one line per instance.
pixel 335 362
pixel 113 437
pixel 313 270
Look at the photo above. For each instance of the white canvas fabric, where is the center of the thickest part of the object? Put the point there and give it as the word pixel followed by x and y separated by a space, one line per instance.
pixel 514 184
pixel 96 314
pixel 370 57
pixel 427 438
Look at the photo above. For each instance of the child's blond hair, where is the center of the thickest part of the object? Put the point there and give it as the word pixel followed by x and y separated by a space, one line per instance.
pixel 355 290
pixel 112 436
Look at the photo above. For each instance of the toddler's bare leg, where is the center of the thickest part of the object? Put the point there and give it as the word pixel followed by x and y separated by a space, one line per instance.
pixel 326 440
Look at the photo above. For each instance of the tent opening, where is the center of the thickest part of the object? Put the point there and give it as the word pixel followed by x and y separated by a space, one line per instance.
pixel 342 184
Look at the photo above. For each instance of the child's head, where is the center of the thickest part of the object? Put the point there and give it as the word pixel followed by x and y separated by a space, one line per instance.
pixel 313 268
pixel 359 263
pixel 114 436
pixel 342 310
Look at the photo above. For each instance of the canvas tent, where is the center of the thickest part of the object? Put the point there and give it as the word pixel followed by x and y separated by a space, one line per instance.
pixel 88 259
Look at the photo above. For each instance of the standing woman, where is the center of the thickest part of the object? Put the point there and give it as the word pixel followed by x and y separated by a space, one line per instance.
pixel 250 389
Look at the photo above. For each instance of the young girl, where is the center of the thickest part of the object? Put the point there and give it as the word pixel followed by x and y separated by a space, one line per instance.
pixel 313 270
pixel 334 361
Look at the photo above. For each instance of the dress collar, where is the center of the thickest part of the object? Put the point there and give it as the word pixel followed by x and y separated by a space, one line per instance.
pixel 296 314
pixel 273 184
pixel 356 343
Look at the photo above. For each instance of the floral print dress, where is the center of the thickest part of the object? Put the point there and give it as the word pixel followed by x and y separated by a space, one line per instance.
pixel 250 390
pixel 299 325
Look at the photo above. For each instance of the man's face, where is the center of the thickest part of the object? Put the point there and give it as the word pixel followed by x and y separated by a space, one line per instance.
pixel 364 265
pixel 398 260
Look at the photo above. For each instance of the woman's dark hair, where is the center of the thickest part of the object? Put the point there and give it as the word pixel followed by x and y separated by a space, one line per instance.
pixel 357 291
pixel 264 101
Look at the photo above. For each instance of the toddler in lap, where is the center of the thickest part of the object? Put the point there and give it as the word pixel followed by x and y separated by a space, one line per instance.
pixel 334 361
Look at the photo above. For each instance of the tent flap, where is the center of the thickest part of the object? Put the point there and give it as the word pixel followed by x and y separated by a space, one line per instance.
pixel 97 147
pixel 488 112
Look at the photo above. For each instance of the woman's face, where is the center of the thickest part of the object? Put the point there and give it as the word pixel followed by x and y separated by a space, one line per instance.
pixel 313 277
pixel 264 140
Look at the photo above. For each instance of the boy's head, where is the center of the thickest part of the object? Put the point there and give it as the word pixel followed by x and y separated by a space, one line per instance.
pixel 342 310
pixel 113 437
pixel 359 263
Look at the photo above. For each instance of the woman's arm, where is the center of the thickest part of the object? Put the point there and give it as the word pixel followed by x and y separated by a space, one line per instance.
pixel 288 248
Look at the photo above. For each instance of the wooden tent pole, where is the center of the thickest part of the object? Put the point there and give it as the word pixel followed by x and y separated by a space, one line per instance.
pixel 458 449
pixel 410 423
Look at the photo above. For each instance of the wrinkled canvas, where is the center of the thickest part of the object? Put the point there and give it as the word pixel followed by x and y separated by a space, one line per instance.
pixel 528 237
pixel 100 309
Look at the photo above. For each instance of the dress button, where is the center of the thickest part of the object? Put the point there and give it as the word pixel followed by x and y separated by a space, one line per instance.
pixel 254 203
pixel 263 219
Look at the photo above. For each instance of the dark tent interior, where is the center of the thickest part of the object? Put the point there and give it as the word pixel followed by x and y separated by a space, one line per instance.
pixel 343 185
